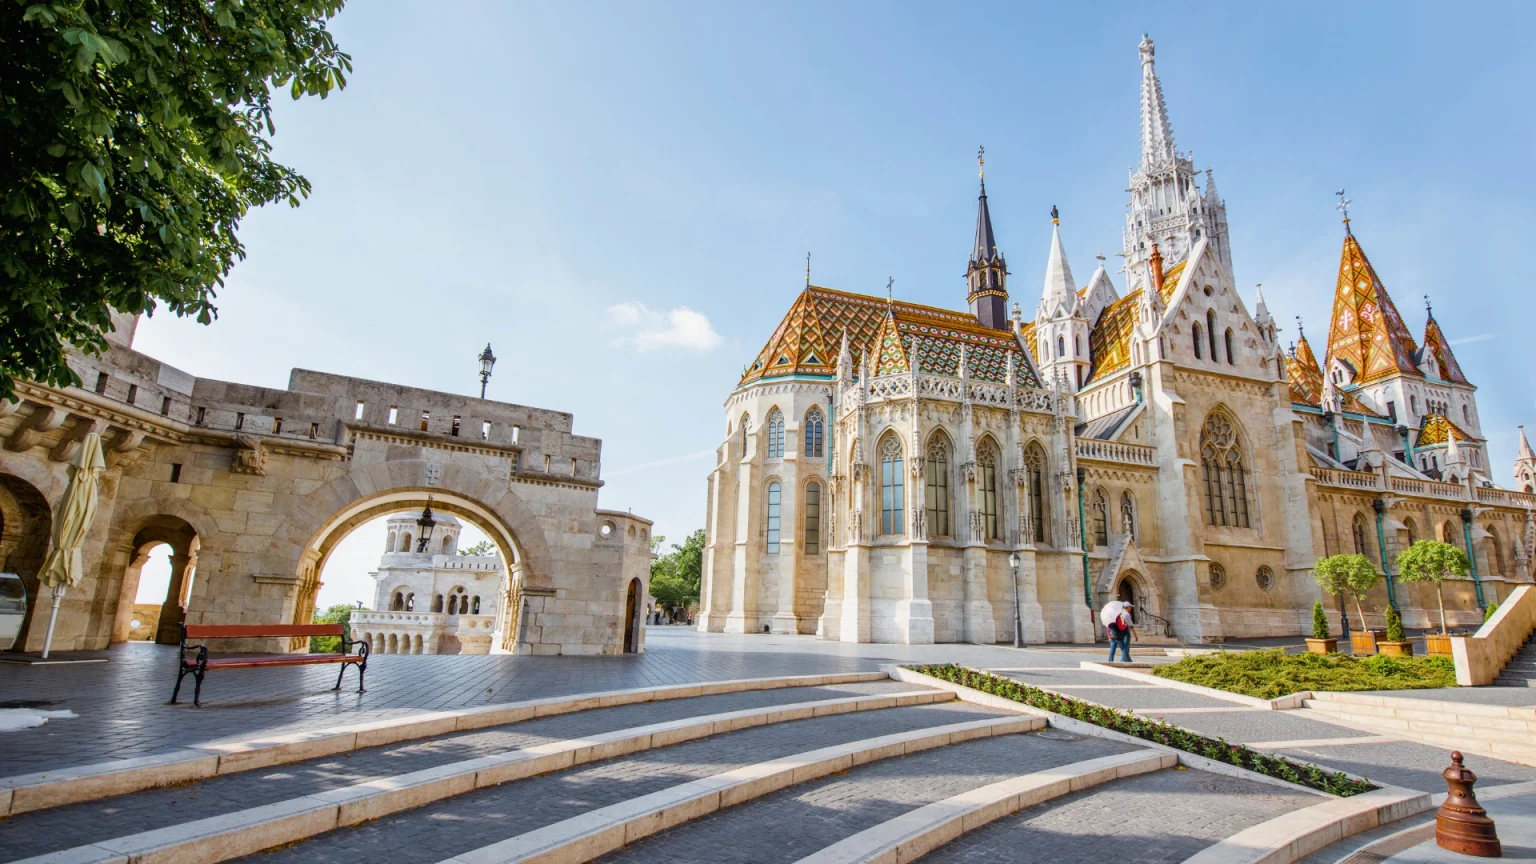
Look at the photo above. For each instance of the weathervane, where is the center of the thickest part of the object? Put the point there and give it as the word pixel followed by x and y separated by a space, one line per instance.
pixel 981 161
pixel 889 291
pixel 807 269
pixel 1299 328
pixel 1344 207
pixel 1055 215
pixel 1428 308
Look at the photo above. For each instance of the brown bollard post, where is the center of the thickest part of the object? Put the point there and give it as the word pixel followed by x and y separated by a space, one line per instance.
pixel 1462 825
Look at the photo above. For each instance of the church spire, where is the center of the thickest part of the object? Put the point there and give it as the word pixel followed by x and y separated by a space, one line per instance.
pixel 1156 131
pixel 986 275
pixel 1366 331
pixel 1060 288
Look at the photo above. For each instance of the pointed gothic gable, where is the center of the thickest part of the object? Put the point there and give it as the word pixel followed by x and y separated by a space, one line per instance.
pixel 1366 330
pixel 1438 430
pixel 1305 375
pixel 891 358
pixel 1435 343
pixel 808 338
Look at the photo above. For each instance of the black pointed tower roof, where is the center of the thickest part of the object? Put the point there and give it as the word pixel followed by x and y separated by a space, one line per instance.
pixel 986 243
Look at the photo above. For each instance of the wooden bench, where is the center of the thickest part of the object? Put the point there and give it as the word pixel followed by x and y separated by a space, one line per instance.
pixel 198 664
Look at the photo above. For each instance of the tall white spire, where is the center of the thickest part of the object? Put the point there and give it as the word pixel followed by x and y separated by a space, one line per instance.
pixel 1156 132
pixel 1060 288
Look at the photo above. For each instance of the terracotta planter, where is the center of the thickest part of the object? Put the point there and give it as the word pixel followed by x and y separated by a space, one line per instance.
pixel 1436 645
pixel 1395 649
pixel 1322 646
pixel 1363 642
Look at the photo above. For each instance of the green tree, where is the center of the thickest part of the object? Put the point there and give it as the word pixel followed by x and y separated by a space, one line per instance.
pixel 1319 621
pixel 341 614
pixel 1354 575
pixel 1395 625
pixel 136 135
pixel 1433 561
pixel 484 547
pixel 676 575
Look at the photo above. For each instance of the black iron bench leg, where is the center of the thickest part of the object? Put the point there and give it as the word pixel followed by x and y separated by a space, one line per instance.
pixel 361 668
pixel 340 672
pixel 197 692
pixel 177 692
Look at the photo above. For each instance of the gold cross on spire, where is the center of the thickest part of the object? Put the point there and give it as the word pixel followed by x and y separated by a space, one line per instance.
pixel 981 161
pixel 890 292
pixel 1343 204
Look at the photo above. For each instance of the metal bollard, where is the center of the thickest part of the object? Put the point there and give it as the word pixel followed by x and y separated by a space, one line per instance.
pixel 1462 825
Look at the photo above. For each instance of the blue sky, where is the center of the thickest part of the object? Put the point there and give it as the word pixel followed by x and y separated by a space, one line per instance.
pixel 509 173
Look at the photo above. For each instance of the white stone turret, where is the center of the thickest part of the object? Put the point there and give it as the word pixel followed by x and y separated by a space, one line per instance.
pixel 1061 330
pixel 1525 465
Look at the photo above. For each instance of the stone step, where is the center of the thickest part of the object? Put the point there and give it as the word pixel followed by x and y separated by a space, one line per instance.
pixel 244 812
pixel 1505 744
pixel 1511 681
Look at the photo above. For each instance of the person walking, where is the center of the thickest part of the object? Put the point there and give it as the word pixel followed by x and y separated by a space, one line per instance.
pixel 1118 625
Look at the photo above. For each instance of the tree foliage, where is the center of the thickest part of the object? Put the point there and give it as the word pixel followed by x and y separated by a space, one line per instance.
pixel 1433 561
pixel 1353 574
pixel 341 614
pixel 1319 621
pixel 136 135
pixel 677 575
pixel 484 547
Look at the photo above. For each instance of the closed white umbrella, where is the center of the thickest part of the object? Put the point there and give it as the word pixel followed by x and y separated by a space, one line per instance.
pixel 63 567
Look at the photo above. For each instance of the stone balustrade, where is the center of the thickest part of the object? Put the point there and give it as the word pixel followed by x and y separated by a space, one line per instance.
pixel 1115 451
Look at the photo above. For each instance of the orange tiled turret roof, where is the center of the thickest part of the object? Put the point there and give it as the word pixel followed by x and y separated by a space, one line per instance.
pixel 1438 430
pixel 1435 343
pixel 1366 330
pixel 807 339
pixel 1306 376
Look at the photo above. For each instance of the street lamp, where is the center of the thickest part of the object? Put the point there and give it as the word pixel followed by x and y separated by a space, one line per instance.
pixel 1018 617
pixel 426 523
pixel 487 360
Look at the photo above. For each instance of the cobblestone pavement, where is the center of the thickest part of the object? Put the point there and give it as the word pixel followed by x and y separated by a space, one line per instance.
pixel 465 822
pixel 1154 818
pixel 91 821
pixel 793 823
pixel 1410 764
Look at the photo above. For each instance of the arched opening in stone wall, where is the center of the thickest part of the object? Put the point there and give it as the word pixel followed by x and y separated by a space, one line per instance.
pixel 632 612
pixel 25 524
pixel 436 612
pixel 159 567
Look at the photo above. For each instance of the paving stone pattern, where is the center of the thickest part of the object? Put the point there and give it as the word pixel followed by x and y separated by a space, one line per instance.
pixel 466 822
pixel 91 821
pixel 1151 696
pixel 1410 764
pixel 793 823
pixel 123 712
pixel 1157 818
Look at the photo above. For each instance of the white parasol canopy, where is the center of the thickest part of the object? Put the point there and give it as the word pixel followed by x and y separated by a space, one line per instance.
pixel 1110 612
pixel 64 568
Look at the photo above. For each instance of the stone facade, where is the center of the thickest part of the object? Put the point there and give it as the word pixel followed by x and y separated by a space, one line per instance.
pixel 252 488
pixel 885 462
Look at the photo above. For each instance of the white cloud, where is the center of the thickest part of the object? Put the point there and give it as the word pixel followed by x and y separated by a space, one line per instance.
pixel 648 330
pixel 1484 337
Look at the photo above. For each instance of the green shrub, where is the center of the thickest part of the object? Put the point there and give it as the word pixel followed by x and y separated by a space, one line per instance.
pixel 341 614
pixel 1319 621
pixel 1272 673
pixel 1488 613
pixel 1395 625
pixel 1147 729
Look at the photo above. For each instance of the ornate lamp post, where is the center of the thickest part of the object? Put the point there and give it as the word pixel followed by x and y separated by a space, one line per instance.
pixel 1018 617
pixel 426 523
pixel 487 360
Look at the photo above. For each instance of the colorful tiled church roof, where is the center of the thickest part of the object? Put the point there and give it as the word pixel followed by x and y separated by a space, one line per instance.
pixel 1436 344
pixel 900 334
pixel 1438 430
pixel 1109 342
pixel 1305 375
pixel 1366 331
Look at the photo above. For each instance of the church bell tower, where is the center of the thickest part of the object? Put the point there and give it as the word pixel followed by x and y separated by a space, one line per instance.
pixel 986 276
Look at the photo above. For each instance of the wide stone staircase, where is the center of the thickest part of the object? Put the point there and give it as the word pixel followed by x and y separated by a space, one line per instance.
pixel 1520 671
pixel 844 768
pixel 1505 732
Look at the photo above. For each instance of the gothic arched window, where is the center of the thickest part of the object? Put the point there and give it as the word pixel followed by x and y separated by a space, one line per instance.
pixel 1412 529
pixel 813 433
pixel 1231 361
pixel 397 602
pixel 775 492
pixel 1034 466
pixel 893 497
pixel 474 605
pixel 776 435
pixel 389 545
pixel 1199 339
pixel 1099 513
pixel 1357 533
pixel 937 498
pixel 1496 552
pixel 1210 331
pixel 986 488
pixel 453 604
pixel 813 518
pixel 1128 514
pixel 405 542
pixel 1224 474
pixel 746 424
pixel 437 602
pixel 1061 346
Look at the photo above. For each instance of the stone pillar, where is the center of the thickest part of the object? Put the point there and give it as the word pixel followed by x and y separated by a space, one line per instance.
pixel 173 611
pixel 743 612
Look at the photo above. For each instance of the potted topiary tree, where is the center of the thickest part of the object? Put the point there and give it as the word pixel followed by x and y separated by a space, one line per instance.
pixel 1433 561
pixel 1396 644
pixel 1355 576
pixel 1321 642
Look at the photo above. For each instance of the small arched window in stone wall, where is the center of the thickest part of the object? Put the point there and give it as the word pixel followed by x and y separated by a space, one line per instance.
pixel 437 603
pixel 814 431
pixel 1035 466
pixel 775 494
pixel 986 488
pixel 1495 551
pixel 1210 329
pixel 1218 576
pixel 813 518
pixel 776 435
pixel 1357 533
pixel 410 602
pixel 1098 511
pixel 936 499
pixel 474 605
pixel 1412 530
pixel 1231 357
pixel 397 602
pixel 893 492
pixel 405 542
pixel 1223 472
pixel 389 545
pixel 453 604
pixel 1199 340
pixel 1128 514
pixel 1265 579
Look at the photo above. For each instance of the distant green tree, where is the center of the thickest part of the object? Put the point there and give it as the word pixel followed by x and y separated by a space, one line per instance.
pixel 1433 561
pixel 484 547
pixel 676 575
pixel 134 136
pixel 1354 575
pixel 341 614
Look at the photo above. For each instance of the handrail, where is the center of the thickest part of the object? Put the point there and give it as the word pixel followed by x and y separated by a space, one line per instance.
pixel 1165 625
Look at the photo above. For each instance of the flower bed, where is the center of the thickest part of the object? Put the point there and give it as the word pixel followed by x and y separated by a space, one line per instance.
pixel 1156 731
pixel 1272 673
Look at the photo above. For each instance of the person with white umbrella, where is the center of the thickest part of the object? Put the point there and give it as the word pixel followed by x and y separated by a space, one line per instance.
pixel 63 567
pixel 1119 625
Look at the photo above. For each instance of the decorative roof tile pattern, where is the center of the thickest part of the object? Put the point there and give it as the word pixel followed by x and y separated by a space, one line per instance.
pixel 807 339
pixel 1436 343
pixel 1109 343
pixel 1366 330
pixel 892 357
pixel 1306 376
pixel 1171 280
pixel 1438 430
